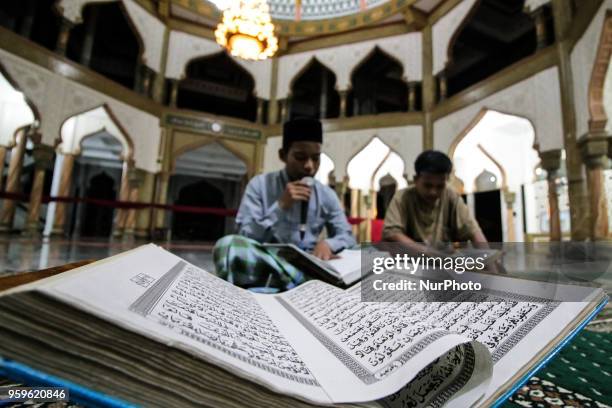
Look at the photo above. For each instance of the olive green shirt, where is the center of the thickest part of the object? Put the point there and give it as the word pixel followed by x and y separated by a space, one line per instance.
pixel 448 220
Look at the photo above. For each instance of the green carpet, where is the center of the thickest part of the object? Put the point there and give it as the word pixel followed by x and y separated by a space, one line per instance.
pixel 579 376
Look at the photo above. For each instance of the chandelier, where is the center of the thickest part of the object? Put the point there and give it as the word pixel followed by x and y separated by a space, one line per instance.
pixel 246 30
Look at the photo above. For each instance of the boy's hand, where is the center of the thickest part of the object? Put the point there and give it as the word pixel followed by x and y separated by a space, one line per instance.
pixel 323 251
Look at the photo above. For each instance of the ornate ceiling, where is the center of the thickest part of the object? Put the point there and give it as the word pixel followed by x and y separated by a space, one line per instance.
pixel 317 17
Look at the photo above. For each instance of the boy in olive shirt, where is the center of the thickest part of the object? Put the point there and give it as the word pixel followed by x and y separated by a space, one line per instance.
pixel 430 213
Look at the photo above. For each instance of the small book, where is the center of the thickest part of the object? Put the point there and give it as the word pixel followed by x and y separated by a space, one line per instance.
pixel 343 271
pixel 147 328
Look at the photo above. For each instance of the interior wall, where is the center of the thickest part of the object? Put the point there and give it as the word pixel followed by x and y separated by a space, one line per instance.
pixel 342 146
pixel 343 59
pixel 537 98
pixel 58 99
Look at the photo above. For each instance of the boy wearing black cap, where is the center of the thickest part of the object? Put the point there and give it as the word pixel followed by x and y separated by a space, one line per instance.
pixel 272 209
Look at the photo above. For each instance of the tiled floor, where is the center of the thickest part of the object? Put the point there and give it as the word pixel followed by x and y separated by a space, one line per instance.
pixel 21 255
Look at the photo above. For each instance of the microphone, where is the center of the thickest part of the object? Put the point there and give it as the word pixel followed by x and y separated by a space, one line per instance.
pixel 309 181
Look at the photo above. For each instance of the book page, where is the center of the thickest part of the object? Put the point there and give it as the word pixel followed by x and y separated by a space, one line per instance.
pixel 515 324
pixel 382 346
pixel 158 295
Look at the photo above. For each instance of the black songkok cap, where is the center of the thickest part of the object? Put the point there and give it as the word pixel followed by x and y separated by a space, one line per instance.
pixel 302 130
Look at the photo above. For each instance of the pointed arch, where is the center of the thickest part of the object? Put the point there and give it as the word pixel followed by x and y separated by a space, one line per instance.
pixel 133 44
pixel 378 85
pixel 307 100
pixel 509 135
pixel 196 145
pixel 478 48
pixel 363 176
pixel 16 109
pixel 598 117
pixel 217 84
pixel 107 121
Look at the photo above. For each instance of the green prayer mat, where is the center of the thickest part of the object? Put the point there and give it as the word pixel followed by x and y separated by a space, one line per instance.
pixel 579 376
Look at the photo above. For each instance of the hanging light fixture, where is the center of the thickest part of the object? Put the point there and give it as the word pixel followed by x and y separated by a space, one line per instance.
pixel 246 30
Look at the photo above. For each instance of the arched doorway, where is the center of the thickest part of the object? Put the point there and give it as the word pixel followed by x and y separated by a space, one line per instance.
pixel 495 159
pixel 365 170
pixel 107 43
pixel 92 142
pixel 378 86
pixel 210 176
pixel 495 34
pixel 97 174
pixel 313 93
pixel 217 84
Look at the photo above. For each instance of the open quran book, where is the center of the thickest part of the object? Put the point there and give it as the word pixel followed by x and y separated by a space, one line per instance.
pixel 151 329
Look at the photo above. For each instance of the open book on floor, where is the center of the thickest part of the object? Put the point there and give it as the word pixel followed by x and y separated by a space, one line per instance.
pixel 151 329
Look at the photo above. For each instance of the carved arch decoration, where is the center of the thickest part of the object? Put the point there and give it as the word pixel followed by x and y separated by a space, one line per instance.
pixel 598 117
pixel 149 30
pixel 127 154
pixel 246 151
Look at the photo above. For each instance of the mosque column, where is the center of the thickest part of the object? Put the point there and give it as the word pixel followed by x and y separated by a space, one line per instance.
pixel 577 188
pixel 509 199
pixel 90 32
pixel 411 96
pixel 429 87
pixel 341 187
pixel 63 191
pixel 144 79
pixel 284 110
pixel 143 216
pixel 160 227
pixel 135 182
pixel 272 102
pixel 594 149
pixel 28 19
pixel 259 117
pixel 540 26
pixel 343 102
pixel 124 192
pixel 324 96
pixel 354 210
pixel 174 84
pixel 551 162
pixel 63 37
pixel 443 85
pixel 13 184
pixel 43 161
pixel 3 150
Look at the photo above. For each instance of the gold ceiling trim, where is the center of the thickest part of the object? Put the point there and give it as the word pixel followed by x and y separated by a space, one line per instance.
pixel 314 27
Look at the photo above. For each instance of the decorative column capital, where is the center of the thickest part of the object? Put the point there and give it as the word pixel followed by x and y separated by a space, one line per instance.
pixel 43 157
pixel 509 198
pixel 550 160
pixel 136 177
pixel 594 149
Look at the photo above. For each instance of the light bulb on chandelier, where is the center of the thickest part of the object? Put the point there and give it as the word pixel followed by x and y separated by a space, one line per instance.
pixel 246 30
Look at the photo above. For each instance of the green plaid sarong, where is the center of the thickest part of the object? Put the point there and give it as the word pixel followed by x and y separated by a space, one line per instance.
pixel 248 264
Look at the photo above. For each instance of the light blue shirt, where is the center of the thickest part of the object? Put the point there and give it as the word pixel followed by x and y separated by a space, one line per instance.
pixel 262 219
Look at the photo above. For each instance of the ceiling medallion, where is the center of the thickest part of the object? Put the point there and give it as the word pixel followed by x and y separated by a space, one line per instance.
pixel 246 30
